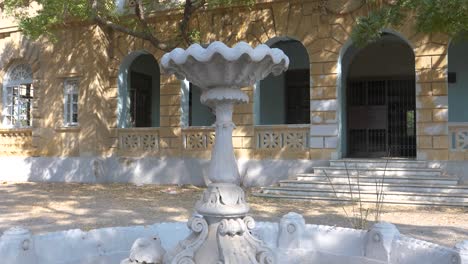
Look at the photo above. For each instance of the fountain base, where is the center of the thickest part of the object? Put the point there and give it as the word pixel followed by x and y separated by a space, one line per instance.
pixel 221 231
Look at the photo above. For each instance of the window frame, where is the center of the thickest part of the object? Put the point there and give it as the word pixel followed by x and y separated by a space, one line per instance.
pixel 68 104
pixel 18 75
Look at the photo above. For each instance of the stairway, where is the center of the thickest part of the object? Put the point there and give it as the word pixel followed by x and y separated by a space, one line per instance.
pixel 401 182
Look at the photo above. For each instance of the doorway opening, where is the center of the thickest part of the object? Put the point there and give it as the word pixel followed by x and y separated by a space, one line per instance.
pixel 381 101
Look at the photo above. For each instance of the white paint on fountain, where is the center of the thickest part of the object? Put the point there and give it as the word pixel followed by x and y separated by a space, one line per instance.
pixel 146 250
pixel 222 231
pixel 17 246
pixel 318 244
pixel 462 248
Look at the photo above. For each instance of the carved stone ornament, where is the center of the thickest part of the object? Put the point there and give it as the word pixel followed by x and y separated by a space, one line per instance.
pixel 184 252
pixel 146 250
pixel 227 200
pixel 237 245
pixel 380 240
pixel 291 229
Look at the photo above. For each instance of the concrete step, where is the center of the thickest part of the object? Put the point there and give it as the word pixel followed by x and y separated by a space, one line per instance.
pixel 379 163
pixel 451 190
pixel 387 179
pixel 345 200
pixel 408 182
pixel 368 196
pixel 402 172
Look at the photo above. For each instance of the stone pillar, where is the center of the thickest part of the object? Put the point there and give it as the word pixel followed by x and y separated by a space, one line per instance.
pixel 291 229
pixel 17 247
pixel 462 249
pixel 379 241
pixel 223 165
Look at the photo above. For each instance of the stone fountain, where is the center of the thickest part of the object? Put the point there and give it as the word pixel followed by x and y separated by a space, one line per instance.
pixel 221 232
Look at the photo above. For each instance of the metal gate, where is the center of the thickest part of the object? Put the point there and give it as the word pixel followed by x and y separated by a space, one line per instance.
pixel 381 118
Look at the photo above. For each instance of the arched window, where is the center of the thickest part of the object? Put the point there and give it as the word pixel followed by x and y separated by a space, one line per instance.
pixel 285 99
pixel 139 89
pixel 199 114
pixel 458 80
pixel 18 96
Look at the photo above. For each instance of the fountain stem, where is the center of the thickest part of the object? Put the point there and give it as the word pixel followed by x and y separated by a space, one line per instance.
pixel 223 166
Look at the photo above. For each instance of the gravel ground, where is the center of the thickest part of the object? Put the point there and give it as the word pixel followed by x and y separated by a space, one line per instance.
pixel 45 207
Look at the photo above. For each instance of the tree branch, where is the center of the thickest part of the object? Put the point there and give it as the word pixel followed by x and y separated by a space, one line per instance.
pixel 146 34
pixel 189 9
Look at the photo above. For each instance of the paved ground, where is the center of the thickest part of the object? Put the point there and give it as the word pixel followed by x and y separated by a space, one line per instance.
pixel 51 207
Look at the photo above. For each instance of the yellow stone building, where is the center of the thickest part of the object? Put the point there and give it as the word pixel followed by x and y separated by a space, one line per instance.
pixel 94 107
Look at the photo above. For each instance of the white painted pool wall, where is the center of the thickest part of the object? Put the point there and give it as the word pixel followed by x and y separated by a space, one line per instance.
pixel 152 170
pixel 106 245
pixel 148 170
pixel 323 243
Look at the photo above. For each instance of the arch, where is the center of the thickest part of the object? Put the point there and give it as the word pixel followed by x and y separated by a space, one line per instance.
pixel 141 70
pixel 285 99
pixel 18 96
pixel 194 113
pixel 350 67
pixel 457 80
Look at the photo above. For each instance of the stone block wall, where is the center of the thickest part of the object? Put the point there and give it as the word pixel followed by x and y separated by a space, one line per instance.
pixel 94 56
pixel 431 96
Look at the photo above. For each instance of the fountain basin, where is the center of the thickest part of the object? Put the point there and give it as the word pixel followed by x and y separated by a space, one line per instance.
pixel 291 239
pixel 219 66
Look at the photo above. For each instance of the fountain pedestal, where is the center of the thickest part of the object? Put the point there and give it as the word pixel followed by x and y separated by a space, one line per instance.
pixel 221 231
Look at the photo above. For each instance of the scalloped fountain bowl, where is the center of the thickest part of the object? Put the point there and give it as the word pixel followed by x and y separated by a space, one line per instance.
pixel 219 66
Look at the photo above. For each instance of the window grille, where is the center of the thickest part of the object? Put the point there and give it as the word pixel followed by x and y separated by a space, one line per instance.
pixel 19 105
pixel 18 97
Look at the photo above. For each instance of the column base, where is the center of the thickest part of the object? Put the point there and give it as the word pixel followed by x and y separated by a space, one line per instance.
pixel 223 200
pixel 221 233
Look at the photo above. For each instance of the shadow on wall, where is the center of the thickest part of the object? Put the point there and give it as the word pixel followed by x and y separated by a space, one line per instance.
pixel 143 170
pixel 105 170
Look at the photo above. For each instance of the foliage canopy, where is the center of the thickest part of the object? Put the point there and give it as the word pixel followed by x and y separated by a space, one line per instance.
pixel 134 19
pixel 431 16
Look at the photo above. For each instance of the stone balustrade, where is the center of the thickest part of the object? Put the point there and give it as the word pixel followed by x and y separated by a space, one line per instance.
pixel 16 141
pixel 282 137
pixel 138 139
pixel 458 136
pixel 198 138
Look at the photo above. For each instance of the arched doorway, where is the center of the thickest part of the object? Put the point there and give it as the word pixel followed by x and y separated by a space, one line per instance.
pixel 139 91
pixel 285 99
pixel 380 99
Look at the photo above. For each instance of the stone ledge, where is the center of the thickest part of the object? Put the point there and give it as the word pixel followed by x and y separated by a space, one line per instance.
pixel 64 129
